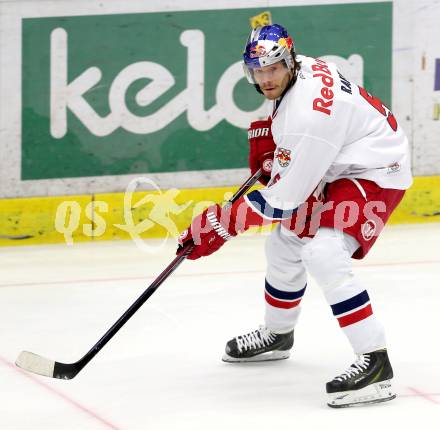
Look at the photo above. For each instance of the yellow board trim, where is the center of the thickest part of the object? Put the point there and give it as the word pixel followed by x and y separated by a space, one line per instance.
pixel 107 217
pixel 35 217
pixel 421 203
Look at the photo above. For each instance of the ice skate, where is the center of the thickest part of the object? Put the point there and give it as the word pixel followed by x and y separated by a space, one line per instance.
pixel 368 380
pixel 259 345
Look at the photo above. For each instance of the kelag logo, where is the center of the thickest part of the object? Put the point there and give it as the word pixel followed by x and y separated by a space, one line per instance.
pixel 165 92
pixel 70 95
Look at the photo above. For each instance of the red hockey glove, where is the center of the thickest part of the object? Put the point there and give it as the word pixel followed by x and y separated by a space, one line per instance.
pixel 208 232
pixel 261 149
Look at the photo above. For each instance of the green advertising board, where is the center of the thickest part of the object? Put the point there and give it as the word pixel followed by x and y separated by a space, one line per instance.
pixel 164 92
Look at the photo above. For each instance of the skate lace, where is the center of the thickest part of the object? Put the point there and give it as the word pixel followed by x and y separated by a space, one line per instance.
pixel 361 364
pixel 256 339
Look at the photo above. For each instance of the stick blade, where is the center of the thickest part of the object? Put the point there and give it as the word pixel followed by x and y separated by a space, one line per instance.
pixel 36 364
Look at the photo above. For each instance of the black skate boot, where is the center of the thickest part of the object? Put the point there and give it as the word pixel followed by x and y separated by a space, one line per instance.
pixel 259 345
pixel 368 380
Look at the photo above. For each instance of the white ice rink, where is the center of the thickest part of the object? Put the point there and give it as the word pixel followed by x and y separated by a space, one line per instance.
pixel 163 370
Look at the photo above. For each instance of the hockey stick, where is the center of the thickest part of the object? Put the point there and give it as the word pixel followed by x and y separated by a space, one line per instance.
pixel 43 366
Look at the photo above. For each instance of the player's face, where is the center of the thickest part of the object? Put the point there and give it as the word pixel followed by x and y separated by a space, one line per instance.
pixel 273 79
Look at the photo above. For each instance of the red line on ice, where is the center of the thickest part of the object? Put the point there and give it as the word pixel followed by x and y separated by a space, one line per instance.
pixel 190 275
pixel 59 394
pixel 426 396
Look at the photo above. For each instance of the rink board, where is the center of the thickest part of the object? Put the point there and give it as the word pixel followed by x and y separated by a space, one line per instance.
pixel 159 214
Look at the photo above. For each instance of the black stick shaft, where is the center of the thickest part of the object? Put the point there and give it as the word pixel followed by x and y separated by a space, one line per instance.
pixel 155 285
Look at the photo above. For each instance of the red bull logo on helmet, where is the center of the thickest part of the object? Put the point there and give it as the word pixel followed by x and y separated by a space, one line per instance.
pixel 286 42
pixel 258 51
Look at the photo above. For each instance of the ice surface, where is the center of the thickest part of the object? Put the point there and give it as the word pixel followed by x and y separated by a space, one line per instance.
pixel 163 370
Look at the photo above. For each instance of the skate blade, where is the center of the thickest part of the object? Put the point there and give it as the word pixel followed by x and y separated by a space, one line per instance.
pixel 374 393
pixel 268 356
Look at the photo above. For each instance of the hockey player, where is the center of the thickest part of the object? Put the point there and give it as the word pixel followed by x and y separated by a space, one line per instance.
pixel 336 164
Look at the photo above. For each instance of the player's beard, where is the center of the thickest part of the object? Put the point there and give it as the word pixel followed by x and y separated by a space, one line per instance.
pixel 274 90
pixel 272 93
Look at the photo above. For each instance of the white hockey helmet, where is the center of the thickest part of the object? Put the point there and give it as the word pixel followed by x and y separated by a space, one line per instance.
pixel 265 46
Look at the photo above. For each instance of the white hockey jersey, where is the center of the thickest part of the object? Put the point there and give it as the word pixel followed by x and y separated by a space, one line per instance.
pixel 327 128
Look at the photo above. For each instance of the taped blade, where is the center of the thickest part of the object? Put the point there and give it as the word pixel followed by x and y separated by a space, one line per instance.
pixel 35 363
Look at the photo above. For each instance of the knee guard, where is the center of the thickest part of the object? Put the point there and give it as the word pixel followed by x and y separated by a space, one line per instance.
pixel 327 259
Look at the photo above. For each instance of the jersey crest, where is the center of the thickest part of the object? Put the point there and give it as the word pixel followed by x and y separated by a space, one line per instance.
pixel 283 157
